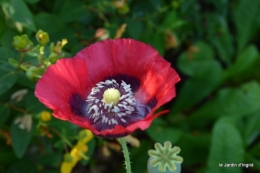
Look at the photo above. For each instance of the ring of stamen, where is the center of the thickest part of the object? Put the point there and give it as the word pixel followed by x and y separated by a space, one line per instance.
pixel 110 103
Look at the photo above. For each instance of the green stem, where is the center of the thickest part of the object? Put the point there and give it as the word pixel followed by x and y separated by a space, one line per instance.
pixel 20 60
pixel 126 155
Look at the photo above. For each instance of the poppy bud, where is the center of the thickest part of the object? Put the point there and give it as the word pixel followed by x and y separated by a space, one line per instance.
pixel 119 4
pixel 22 43
pixel 45 116
pixel 42 37
pixel 34 73
pixel 53 57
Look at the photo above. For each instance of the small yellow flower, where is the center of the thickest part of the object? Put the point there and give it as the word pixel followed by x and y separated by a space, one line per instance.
pixel 78 152
pixel 85 136
pixel 66 167
pixel 45 116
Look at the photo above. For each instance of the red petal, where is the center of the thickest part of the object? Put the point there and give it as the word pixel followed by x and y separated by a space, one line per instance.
pixel 68 76
pixel 99 60
pixel 120 56
pixel 158 82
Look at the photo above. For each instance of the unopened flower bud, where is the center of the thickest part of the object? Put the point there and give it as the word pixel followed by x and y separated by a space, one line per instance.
pixel 42 37
pixel 22 43
pixel 34 73
pixel 119 3
pixel 45 116
pixel 53 57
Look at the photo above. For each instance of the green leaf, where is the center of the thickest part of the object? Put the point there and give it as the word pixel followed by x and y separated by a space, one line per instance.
pixel 20 139
pixel 194 147
pixel 244 61
pixel 230 101
pixel 157 3
pixel 7 157
pixel 172 21
pixel 13 62
pixel 19 12
pixel 2 24
pixel 191 65
pixel 7 38
pixel 197 88
pixel 50 158
pixel 252 128
pixel 134 28
pixel 32 1
pixel 24 81
pixel 255 161
pixel 43 21
pixel 6 53
pixel 72 11
pixel 4 114
pixel 226 148
pixel 158 42
pixel 22 166
pixel 246 17
pixel 160 132
pixel 32 104
pixel 224 46
pixel 5 66
pixel 206 75
pixel 7 80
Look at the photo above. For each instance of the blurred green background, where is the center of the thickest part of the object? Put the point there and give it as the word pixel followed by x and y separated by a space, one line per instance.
pixel 213 44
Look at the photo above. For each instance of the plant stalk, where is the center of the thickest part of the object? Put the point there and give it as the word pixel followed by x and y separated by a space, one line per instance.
pixel 126 155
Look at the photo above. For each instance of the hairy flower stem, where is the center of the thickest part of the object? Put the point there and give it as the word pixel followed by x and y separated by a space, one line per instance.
pixel 126 155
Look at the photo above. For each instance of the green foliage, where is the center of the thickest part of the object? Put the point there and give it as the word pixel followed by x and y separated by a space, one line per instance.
pixel 226 148
pixel 18 11
pixel 213 45
pixel 20 139
pixel 4 112
pixel 246 21
pixel 160 127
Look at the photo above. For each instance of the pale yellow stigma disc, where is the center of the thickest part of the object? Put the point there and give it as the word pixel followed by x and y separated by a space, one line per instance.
pixel 111 95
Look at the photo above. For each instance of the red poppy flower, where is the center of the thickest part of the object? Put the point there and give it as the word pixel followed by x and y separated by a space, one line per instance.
pixel 112 87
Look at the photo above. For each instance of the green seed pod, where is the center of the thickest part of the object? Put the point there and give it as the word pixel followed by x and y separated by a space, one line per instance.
pixel 164 159
pixel 22 43
pixel 42 37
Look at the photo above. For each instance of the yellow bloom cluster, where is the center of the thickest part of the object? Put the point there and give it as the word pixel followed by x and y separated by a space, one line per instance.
pixel 78 151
